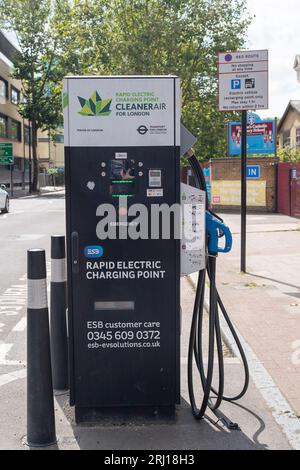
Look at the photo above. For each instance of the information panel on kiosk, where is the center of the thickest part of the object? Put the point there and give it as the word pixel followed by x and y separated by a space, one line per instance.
pixel 135 111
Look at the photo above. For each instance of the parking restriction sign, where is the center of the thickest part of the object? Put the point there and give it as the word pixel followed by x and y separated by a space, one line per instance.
pixel 243 80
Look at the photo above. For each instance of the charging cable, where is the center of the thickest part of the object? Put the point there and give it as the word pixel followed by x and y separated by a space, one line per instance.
pixel 212 397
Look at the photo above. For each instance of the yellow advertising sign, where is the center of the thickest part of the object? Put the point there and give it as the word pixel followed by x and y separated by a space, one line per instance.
pixel 228 193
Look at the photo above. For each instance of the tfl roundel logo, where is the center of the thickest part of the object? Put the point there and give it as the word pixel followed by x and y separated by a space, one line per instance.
pixel 93 251
pixel 142 130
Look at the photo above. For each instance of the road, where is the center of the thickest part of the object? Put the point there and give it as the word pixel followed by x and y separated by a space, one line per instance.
pixel 30 225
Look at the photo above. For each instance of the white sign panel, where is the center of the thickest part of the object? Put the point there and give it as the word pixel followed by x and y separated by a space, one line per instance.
pixel 193 229
pixel 243 80
pixel 122 111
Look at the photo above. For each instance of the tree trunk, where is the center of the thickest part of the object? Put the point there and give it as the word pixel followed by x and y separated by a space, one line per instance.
pixel 35 162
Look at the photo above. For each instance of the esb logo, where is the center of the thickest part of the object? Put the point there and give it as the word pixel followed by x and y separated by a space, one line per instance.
pixel 93 251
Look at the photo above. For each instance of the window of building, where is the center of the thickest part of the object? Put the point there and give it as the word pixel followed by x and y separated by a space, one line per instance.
pixel 16 131
pixel 286 138
pixel 298 137
pixel 3 126
pixel 18 163
pixel 27 135
pixel 14 95
pixel 3 90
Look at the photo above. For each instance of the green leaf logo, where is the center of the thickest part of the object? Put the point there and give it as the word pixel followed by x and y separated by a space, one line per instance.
pixel 94 106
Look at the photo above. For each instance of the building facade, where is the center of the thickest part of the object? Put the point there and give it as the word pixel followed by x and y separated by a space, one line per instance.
pixel 13 129
pixel 51 150
pixel 289 126
pixel 16 130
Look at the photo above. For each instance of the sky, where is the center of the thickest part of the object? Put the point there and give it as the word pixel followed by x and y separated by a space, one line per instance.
pixel 277 28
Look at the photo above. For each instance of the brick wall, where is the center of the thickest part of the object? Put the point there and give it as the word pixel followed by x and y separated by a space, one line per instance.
pixel 186 173
pixel 229 169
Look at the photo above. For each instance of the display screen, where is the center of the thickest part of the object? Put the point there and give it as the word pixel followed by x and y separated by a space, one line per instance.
pixel 122 178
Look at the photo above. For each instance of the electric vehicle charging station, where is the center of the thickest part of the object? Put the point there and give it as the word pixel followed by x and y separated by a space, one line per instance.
pixel 122 148
pixel 122 141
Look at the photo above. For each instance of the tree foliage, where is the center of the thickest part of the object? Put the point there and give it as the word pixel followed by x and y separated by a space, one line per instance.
pixel 35 65
pixel 181 37
pixel 289 154
pixel 83 46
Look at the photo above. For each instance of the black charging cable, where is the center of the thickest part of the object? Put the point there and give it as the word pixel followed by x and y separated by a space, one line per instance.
pixel 212 398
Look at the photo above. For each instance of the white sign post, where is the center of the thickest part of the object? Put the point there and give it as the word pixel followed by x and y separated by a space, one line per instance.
pixel 243 80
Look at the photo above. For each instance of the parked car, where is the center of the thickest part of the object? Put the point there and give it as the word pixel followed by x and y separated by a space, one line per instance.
pixel 4 199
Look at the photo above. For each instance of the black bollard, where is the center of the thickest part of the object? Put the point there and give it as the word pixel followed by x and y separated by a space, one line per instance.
pixel 40 405
pixel 58 324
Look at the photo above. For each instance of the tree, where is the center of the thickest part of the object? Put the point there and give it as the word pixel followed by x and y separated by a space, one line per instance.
pixel 35 65
pixel 181 37
pixel 289 154
pixel 78 26
pixel 56 38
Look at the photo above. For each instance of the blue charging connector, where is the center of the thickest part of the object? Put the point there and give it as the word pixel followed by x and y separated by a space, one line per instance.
pixel 215 229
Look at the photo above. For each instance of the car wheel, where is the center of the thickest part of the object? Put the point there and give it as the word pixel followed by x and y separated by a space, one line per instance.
pixel 6 208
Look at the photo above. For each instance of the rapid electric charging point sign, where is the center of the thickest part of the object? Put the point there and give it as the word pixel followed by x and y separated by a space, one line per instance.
pixel 243 80
pixel 129 111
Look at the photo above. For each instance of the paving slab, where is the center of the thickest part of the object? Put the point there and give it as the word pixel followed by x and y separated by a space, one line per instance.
pixel 265 302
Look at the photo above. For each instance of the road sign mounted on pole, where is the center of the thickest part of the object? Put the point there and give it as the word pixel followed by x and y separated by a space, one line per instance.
pixel 243 86
pixel 243 80
pixel 6 153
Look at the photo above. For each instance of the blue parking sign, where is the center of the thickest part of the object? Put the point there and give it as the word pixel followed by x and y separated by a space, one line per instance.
pixel 236 84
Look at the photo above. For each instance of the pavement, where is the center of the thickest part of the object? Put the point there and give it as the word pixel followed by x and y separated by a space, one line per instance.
pixel 264 303
pixel 29 225
pixel 21 193
pixel 265 308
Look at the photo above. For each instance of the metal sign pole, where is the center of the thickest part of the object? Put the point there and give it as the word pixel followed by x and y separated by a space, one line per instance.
pixel 30 158
pixel 243 191
pixel 11 180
